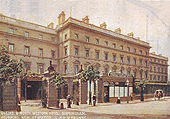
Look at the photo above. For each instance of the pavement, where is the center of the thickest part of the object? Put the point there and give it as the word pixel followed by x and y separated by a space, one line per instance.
pixel 147 109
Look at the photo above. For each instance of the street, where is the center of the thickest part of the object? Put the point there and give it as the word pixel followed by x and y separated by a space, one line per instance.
pixel 149 109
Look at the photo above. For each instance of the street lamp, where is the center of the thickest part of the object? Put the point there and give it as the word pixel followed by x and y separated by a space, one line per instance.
pixel 127 82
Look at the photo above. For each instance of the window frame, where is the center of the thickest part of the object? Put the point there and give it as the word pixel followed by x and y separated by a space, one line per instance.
pixel 25 51
pixel 40 54
pixel 11 44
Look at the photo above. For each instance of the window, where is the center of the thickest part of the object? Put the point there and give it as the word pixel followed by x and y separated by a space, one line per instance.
pixel 154 78
pixel 65 36
pixel 40 68
pixel 27 66
pixel 106 43
pixel 97 55
pixel 128 73
pixel 121 59
pixel 76 51
pixel 11 30
pixel 87 39
pixel 134 61
pixel 140 52
pixel 162 78
pixel 154 68
pixel 121 47
pixel 165 70
pixel 146 63
pixel 114 45
pixel 134 74
pixel 146 75
pixel 106 56
pixel 140 61
pixel 26 51
pixel 76 69
pixel 76 36
pixel 97 41
pixel 11 47
pixel 87 53
pixel 165 78
pixel 150 68
pixel 150 77
pixel 158 69
pixel 52 53
pixel 134 50
pixel 53 39
pixel 128 49
pixel 140 74
pixel 65 69
pixel 158 77
pixel 128 59
pixel 26 34
pixel 162 70
pixel 146 53
pixel 40 37
pixel 40 52
pixel 65 51
pixel 105 70
pixel 114 57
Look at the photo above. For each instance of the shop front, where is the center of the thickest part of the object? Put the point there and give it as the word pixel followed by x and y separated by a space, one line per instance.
pixel 116 85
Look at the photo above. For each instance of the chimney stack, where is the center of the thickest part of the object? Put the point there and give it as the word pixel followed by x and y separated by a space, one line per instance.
pixel 103 25
pixel 61 18
pixel 85 19
pixel 51 25
pixel 130 34
pixel 118 30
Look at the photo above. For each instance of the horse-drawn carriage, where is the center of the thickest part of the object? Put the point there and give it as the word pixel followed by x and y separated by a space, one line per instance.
pixel 159 94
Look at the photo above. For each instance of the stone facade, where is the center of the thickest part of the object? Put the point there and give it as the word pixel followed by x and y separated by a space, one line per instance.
pixel 74 42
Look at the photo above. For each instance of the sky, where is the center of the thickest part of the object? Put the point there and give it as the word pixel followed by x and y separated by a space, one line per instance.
pixel 147 19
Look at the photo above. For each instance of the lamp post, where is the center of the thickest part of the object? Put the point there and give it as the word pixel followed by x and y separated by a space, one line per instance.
pixel 127 82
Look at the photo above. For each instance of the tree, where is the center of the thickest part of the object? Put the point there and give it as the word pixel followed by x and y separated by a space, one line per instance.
pixel 90 74
pixel 58 81
pixel 9 68
pixel 141 85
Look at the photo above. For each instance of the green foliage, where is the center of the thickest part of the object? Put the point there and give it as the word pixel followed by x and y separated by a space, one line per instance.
pixel 34 76
pixel 9 68
pixel 57 79
pixel 142 84
pixel 89 74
